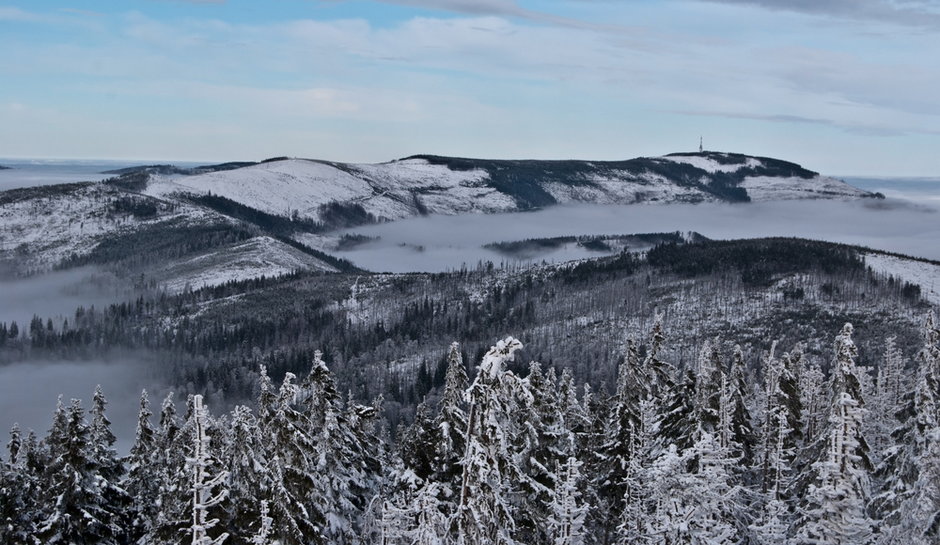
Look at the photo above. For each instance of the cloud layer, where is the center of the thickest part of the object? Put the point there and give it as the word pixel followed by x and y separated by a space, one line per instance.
pixel 839 86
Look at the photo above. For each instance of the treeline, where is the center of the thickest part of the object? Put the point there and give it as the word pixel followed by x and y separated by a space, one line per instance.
pixel 757 260
pixel 706 454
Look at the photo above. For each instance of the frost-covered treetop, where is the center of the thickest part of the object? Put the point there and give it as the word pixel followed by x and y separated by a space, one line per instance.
pixel 494 361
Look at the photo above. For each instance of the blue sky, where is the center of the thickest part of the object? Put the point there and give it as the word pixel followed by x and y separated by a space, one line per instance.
pixel 845 87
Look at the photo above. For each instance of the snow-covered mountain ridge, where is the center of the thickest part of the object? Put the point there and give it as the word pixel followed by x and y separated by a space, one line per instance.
pixel 170 222
pixel 427 184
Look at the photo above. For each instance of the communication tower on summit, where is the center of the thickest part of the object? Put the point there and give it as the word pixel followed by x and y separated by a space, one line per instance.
pixel 700 144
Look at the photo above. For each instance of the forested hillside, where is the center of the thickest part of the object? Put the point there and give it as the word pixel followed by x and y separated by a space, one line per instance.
pixel 702 453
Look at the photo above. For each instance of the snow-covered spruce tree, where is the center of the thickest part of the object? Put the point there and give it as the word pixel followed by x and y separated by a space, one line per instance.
pixel 18 489
pixel 110 467
pixel 708 379
pixel 576 417
pixel 208 490
pixel 249 477
pixel 370 449
pixel 899 470
pixel 434 445
pixel 918 520
pixel 541 443
pixel 773 521
pixel 418 443
pixel 695 402
pixel 680 414
pixel 345 477
pixel 814 401
pixel 567 511
pixel 893 380
pixel 141 481
pixel 262 537
pixel 660 375
pixel 452 419
pixel 76 508
pixel 289 453
pixel 693 497
pixel 173 446
pixel 431 524
pixel 834 509
pixel 892 386
pixel 391 515
pixel 485 513
pixel 742 428
pixel 634 519
pixel 610 471
pixel 781 421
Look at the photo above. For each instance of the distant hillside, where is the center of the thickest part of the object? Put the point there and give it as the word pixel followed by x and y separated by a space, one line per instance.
pixel 340 194
pixel 271 217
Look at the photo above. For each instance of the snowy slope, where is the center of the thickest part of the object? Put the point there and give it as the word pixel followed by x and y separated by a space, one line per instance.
pixel 49 227
pixel 766 188
pixel 711 165
pixel 443 185
pixel 925 275
pixel 40 228
pixel 387 191
pixel 256 257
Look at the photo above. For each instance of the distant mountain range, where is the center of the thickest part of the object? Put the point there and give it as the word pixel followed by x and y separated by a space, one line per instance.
pixel 205 225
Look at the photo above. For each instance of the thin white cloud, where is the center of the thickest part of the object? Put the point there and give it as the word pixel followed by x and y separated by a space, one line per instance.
pixel 923 13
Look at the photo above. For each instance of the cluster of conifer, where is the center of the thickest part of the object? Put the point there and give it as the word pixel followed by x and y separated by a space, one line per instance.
pixel 707 454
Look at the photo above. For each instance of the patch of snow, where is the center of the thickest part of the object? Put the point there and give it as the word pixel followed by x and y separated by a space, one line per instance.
pixel 926 275
pixel 710 165
pixel 765 188
pixel 44 230
pixel 254 258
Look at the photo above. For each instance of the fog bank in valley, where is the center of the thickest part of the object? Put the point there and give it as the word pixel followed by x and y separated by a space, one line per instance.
pixel 440 243
pixel 29 390
pixel 58 294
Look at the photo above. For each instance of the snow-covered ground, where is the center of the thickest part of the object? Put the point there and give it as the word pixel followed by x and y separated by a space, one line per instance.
pixel 385 190
pixel 766 188
pixel 710 165
pixel 254 258
pixel 926 275
pixel 43 230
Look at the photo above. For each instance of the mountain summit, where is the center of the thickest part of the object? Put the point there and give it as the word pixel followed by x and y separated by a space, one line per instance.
pixel 327 192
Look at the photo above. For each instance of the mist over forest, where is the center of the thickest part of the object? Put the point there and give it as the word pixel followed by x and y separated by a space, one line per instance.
pixel 440 243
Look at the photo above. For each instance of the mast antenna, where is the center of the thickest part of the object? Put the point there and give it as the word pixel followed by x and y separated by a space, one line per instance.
pixel 700 144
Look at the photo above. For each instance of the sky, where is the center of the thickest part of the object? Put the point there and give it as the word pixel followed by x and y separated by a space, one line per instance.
pixel 843 87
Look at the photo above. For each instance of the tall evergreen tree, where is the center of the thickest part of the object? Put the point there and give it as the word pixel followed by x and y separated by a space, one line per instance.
pixel 249 480
pixel 900 469
pixel 141 481
pixel 834 510
pixel 567 511
pixel 18 491
pixel 291 457
pixel 77 509
pixel 742 427
pixel 110 467
pixel 485 513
